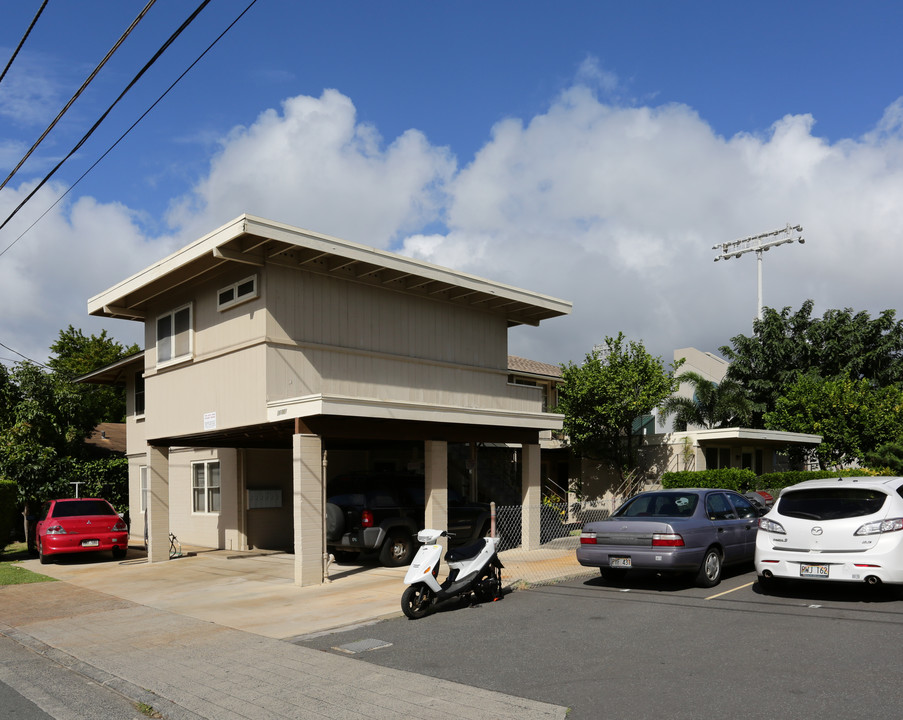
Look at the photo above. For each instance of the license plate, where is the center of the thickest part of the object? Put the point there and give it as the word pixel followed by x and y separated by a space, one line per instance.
pixel 90 543
pixel 813 571
pixel 621 562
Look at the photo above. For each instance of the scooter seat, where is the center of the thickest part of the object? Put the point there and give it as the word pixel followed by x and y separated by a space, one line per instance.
pixel 466 552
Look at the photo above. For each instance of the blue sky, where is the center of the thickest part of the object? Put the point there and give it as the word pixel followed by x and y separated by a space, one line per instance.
pixel 593 151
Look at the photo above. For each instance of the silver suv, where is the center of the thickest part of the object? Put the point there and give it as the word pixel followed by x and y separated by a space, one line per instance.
pixel 848 529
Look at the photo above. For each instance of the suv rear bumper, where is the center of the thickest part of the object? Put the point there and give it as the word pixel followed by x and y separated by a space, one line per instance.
pixel 365 540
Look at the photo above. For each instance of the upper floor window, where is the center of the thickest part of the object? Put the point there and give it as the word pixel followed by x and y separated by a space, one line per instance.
pixel 174 335
pixel 237 293
pixel 139 393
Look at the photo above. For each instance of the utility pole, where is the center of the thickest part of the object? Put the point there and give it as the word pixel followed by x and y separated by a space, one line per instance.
pixel 759 244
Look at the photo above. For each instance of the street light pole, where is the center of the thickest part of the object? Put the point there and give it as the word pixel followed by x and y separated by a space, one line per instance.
pixel 759 244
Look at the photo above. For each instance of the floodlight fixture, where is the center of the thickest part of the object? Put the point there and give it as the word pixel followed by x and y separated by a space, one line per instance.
pixel 759 244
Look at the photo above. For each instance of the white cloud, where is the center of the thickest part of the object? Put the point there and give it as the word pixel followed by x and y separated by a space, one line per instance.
pixel 315 166
pixel 615 207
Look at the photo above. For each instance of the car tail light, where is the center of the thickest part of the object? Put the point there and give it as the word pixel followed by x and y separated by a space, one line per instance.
pixel 120 527
pixel 367 518
pixel 880 526
pixel 771 526
pixel 587 538
pixel 55 530
pixel 667 540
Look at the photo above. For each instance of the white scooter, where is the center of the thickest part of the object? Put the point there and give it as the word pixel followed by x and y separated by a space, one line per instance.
pixel 472 569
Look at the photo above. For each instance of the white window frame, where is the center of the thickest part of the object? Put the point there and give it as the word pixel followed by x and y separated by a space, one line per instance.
pixel 143 488
pixel 188 352
pixel 206 497
pixel 237 298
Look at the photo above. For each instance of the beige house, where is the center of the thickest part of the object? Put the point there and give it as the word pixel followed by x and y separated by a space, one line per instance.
pixel 277 358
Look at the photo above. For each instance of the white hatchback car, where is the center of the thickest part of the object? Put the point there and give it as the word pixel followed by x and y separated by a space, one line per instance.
pixel 848 529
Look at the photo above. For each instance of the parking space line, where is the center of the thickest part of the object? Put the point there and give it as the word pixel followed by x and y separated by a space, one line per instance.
pixel 712 597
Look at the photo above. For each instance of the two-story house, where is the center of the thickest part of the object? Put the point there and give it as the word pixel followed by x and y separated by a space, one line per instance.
pixel 276 358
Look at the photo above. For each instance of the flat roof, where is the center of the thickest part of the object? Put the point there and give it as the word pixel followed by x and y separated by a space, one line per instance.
pixel 254 241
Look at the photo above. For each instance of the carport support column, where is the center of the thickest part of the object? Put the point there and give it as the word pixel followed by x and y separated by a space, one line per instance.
pixel 157 503
pixel 307 508
pixel 435 453
pixel 531 495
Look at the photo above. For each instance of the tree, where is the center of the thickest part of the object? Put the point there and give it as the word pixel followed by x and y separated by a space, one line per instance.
pixel 45 422
pixel 723 404
pixel 77 355
pixel 785 344
pixel 45 419
pixel 853 417
pixel 602 398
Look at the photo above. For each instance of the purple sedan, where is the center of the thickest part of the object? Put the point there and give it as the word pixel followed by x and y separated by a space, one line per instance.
pixel 695 531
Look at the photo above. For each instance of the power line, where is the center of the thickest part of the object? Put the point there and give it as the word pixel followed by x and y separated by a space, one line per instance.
pixel 132 126
pixel 24 38
pixel 35 362
pixel 94 127
pixel 78 92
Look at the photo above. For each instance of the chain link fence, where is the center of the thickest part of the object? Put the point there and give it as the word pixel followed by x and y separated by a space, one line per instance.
pixel 538 544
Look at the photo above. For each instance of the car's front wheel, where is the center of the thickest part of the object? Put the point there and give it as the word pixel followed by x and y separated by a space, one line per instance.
pixel 709 574
pixel 398 549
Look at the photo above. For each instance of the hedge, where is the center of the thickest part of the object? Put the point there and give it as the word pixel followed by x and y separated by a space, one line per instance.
pixel 745 480
pixel 730 478
pixel 8 494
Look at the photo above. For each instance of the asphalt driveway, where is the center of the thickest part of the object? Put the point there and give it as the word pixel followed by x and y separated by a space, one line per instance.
pixel 654 647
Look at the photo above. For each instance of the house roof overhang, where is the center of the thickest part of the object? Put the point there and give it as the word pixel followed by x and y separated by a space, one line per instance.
pixel 736 436
pixel 255 242
pixel 115 373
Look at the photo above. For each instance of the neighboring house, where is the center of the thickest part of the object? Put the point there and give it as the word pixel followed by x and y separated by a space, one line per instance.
pixel 278 358
pixel 761 451
pixel 107 440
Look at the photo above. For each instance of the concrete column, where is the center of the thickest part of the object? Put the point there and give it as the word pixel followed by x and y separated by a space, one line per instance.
pixel 307 508
pixel 157 503
pixel 531 497
pixel 436 489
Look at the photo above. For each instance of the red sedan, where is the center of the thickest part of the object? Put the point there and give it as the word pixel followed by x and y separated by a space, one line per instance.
pixel 80 525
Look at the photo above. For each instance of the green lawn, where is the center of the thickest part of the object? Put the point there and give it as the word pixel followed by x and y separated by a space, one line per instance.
pixel 11 573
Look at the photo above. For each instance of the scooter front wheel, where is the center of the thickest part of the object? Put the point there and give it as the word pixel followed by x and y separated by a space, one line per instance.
pixel 416 601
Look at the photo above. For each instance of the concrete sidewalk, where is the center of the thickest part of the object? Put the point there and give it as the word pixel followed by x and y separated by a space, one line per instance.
pixel 204 636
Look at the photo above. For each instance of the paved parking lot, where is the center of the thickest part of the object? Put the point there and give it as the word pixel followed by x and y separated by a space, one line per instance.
pixel 661 648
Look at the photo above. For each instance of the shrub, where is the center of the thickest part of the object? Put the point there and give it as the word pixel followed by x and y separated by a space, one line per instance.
pixel 729 478
pixel 780 480
pixel 8 491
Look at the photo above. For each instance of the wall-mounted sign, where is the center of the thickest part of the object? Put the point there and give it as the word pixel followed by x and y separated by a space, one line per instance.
pixel 210 421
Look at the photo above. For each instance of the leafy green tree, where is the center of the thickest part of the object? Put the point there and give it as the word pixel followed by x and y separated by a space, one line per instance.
pixel 785 344
pixel 75 355
pixel 852 416
pixel 601 398
pixel 45 419
pixel 45 422
pixel 889 455
pixel 723 404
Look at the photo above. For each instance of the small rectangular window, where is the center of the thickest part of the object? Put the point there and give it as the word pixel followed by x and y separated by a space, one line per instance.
pixel 174 335
pixel 205 487
pixel 139 393
pixel 237 293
